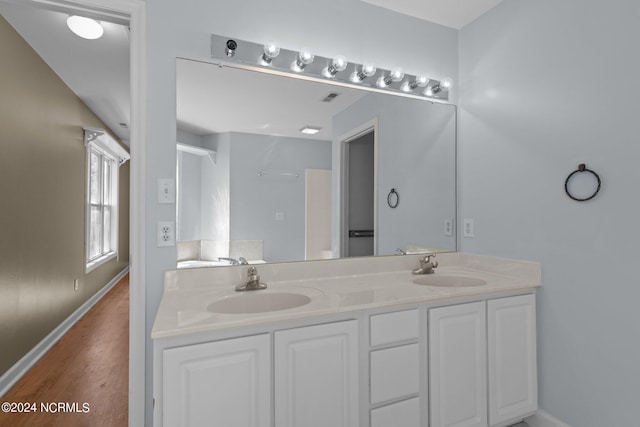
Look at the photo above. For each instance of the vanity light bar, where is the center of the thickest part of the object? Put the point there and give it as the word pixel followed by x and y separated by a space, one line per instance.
pixel 282 61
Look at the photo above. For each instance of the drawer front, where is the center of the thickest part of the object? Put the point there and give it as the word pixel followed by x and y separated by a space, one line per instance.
pixel 395 373
pixel 401 414
pixel 388 328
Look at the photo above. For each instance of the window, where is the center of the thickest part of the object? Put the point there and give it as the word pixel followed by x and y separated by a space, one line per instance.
pixel 103 158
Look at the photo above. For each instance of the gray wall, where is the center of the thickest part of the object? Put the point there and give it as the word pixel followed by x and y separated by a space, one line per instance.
pixel 416 157
pixel 255 200
pixel 535 101
pixel 183 29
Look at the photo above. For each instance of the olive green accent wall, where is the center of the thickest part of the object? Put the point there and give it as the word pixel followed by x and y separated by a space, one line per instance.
pixel 42 201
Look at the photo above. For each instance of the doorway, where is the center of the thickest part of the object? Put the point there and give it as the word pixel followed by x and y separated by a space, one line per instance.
pixel 359 183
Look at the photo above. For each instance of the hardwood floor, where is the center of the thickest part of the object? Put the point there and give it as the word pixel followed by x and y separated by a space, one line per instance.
pixel 88 367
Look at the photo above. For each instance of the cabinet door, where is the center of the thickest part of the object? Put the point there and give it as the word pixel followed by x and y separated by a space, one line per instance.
pixel 457 366
pixel 316 376
pixel 222 383
pixel 512 358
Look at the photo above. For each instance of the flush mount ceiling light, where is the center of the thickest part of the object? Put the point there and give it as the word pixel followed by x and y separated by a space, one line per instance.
pixel 86 28
pixel 304 64
pixel 310 130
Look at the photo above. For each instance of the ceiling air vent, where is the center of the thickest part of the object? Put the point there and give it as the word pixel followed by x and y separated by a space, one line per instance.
pixel 330 97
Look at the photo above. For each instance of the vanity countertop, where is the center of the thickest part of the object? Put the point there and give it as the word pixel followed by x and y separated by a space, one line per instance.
pixel 334 286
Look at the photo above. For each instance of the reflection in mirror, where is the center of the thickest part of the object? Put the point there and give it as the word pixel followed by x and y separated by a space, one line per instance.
pixel 275 169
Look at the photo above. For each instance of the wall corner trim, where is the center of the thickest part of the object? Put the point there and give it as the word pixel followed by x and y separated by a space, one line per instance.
pixel 28 360
pixel 543 419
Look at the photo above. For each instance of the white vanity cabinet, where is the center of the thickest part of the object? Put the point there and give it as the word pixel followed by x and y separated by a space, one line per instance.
pixel 457 365
pixel 220 383
pixel 316 376
pixel 512 358
pixel 395 371
pixel 477 347
pixel 472 364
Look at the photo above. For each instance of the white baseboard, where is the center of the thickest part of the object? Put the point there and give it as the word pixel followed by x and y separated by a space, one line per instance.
pixel 543 419
pixel 28 360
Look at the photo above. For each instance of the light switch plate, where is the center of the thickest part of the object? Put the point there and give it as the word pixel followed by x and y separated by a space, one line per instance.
pixel 166 190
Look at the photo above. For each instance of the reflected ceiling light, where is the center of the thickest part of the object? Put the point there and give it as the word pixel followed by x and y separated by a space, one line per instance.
pixel 367 70
pixel 395 75
pixel 339 63
pixel 303 58
pixel 420 81
pixel 271 50
pixel 86 28
pixel 310 130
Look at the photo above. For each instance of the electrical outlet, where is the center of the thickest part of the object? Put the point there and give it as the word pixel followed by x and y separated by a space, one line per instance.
pixel 279 216
pixel 166 234
pixel 448 227
pixel 468 227
pixel 76 284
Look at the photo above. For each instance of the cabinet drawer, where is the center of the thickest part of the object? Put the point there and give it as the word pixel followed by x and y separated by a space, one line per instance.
pixel 401 414
pixel 393 327
pixel 395 373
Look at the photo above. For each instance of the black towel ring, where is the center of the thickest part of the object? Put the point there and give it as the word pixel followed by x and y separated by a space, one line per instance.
pixel 393 198
pixel 582 168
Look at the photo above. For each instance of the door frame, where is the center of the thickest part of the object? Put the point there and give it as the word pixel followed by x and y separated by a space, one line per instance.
pixel 345 139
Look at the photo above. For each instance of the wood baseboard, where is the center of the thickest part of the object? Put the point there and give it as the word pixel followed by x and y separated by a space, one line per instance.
pixel 28 360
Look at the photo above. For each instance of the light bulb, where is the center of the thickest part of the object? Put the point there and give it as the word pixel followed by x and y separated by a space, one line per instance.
pixel 303 58
pixel 446 83
pixel 367 70
pixel 420 81
pixel 339 63
pixel 428 91
pixel 395 75
pixel 86 28
pixel 271 50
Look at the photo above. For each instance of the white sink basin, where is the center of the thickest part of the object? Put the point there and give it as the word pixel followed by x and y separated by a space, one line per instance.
pixel 449 281
pixel 258 302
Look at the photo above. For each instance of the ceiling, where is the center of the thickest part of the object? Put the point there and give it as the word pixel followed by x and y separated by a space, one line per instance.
pixel 98 70
pixel 450 13
pixel 271 105
pixel 95 70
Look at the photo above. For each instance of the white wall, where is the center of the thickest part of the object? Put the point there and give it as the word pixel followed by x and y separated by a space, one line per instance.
pixel 182 29
pixel 546 85
pixel 255 200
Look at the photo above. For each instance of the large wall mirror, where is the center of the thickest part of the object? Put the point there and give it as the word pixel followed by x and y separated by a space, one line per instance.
pixel 272 169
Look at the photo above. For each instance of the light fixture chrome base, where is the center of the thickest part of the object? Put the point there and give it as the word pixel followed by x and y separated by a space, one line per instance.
pixel 250 55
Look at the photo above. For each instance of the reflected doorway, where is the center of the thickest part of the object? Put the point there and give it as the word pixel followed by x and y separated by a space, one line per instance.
pixel 360 188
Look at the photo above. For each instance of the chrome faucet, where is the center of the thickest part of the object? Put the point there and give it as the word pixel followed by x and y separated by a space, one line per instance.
pixel 426 265
pixel 253 281
pixel 400 251
pixel 233 261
